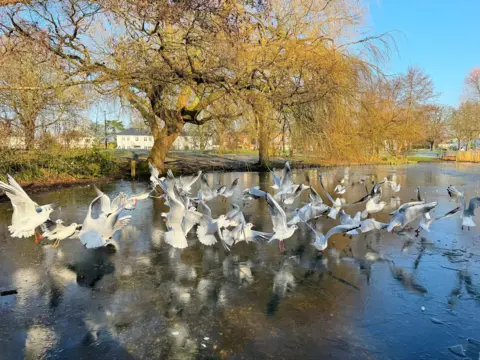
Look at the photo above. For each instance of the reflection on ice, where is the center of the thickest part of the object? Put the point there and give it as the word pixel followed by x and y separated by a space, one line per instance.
pixel 361 298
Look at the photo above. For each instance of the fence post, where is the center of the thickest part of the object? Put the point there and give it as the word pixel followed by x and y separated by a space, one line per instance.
pixel 133 165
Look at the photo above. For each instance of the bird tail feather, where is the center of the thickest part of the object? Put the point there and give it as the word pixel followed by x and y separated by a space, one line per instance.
pixel 176 238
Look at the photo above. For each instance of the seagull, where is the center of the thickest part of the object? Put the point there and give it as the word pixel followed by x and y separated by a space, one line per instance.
pixel 27 214
pixel 409 212
pixel 340 189
pixel 336 204
pixel 321 241
pixel 286 182
pixel 227 192
pixel 376 191
pixel 289 198
pixel 254 193
pixel 468 212
pixel 235 216
pixel 177 228
pixel 427 221
pixel 308 212
pixel 57 231
pixel 373 205
pixel 281 230
pixel 185 183
pixel 99 232
pixel 108 206
pixel 346 219
pixel 207 193
pixel 371 224
pixel 393 185
pixel 364 225
pixel 132 200
pixel 276 180
pixel 243 232
pixel 208 227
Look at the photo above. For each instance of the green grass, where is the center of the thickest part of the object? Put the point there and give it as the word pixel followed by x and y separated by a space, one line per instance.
pixel 422 159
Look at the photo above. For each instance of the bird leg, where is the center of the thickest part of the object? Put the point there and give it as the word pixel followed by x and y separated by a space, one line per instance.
pixel 56 243
pixel 462 227
pixel 36 237
pixel 281 246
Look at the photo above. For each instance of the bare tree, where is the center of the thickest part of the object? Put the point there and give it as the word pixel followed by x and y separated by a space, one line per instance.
pixel 472 84
pixel 32 110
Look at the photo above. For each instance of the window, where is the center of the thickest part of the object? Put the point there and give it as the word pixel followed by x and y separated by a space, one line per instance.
pixel 136 138
pixel 145 138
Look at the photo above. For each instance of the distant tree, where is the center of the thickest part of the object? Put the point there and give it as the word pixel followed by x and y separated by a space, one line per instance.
pixel 438 119
pixel 472 84
pixel 466 122
pixel 35 99
pixel 114 126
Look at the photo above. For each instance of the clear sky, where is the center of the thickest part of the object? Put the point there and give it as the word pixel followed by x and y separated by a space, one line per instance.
pixel 440 36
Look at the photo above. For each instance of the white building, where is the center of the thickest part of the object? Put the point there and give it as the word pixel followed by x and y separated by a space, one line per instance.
pixel 187 142
pixel 134 139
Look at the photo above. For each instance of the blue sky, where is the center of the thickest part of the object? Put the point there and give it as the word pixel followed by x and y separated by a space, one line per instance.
pixel 440 36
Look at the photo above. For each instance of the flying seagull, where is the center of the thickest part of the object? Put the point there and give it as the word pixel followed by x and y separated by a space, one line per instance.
pixel 27 214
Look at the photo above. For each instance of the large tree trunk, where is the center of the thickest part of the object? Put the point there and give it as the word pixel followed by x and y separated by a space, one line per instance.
pixel 163 141
pixel 263 154
pixel 29 134
pixel 164 138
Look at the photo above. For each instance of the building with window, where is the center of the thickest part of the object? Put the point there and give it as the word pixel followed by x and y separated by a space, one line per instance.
pixel 134 139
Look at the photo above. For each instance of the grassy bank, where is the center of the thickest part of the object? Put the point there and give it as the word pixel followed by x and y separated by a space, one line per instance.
pixel 61 166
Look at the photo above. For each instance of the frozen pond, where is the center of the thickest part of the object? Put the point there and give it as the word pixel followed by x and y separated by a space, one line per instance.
pixel 376 296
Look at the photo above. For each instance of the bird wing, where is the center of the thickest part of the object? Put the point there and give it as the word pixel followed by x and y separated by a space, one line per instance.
pixel 206 210
pixel 24 205
pixel 205 186
pixel 276 179
pixel 105 203
pixel 474 203
pixel 91 239
pixel 153 170
pixel 419 196
pixel 141 196
pixel 340 229
pixel 279 218
pixel 326 192
pixel 402 208
pixel 190 219
pixel 413 212
pixel 286 180
pixel 50 227
pixel 89 222
pixel 233 212
pixel 188 181
pixel 234 185
pixel 314 196
pixel 221 189
pixel 122 222
pixel 306 223
pixel 449 213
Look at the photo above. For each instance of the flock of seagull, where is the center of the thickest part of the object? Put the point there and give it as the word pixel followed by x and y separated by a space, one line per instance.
pixel 188 212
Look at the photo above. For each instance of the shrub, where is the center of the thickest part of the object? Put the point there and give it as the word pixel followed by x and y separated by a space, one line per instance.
pixel 44 165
